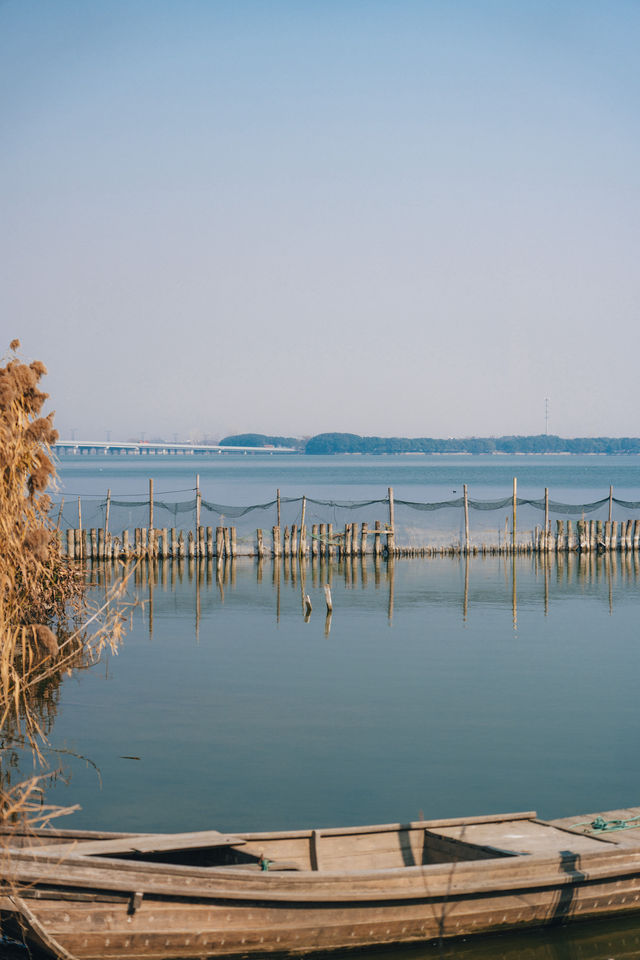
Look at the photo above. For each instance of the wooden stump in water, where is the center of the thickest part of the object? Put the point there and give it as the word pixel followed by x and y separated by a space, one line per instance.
pixel 277 549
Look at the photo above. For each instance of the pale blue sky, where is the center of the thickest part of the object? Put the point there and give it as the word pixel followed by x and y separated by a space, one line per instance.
pixel 410 218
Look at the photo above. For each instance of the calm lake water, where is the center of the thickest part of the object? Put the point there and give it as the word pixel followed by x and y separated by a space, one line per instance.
pixel 439 687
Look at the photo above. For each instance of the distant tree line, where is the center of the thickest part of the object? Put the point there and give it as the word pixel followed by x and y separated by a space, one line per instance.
pixel 328 443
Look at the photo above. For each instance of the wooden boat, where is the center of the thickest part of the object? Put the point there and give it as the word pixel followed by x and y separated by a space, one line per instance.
pixel 95 896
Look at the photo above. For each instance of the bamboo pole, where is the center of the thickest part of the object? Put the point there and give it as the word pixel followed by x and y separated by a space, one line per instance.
pixel 546 519
pixel 466 520
pixel 80 527
pixel 60 514
pixel 391 534
pixel 107 511
pixel 278 505
pixel 198 502
pixel 303 529
pixel 150 503
pixel 610 504
pixel 515 510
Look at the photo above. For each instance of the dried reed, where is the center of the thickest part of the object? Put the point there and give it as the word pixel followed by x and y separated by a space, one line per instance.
pixel 47 626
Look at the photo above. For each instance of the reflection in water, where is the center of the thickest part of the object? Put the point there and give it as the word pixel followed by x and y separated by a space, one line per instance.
pixel 552 572
pixel 610 940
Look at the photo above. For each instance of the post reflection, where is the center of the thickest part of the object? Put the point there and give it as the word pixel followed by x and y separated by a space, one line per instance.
pixel 500 579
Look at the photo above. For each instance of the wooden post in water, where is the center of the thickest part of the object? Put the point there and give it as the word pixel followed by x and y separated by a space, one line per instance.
pixel 364 530
pixel 150 503
pixel 294 540
pixel 107 512
pixel 303 529
pixel 466 520
pixel 327 597
pixel 610 504
pixel 259 544
pixel 354 540
pixel 198 502
pixel 278 505
pixel 314 540
pixel 515 510
pixel 331 552
pixel 377 546
pixel 219 542
pixel 227 541
pixel 209 543
pixel 391 534
pixel 233 541
pixel 546 520
pixel 80 543
pixel 277 549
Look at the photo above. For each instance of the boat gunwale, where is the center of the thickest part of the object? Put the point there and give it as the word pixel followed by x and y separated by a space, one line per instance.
pixel 448 880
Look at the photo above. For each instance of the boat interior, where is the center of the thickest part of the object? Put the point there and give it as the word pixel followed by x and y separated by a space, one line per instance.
pixel 334 850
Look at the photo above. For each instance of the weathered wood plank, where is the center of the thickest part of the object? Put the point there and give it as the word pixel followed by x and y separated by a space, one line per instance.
pixel 149 843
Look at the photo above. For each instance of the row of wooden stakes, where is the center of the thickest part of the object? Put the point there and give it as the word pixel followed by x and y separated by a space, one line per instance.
pixel 323 541
pixel 169 543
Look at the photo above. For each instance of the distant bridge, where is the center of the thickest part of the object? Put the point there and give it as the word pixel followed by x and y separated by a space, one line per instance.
pixel 142 448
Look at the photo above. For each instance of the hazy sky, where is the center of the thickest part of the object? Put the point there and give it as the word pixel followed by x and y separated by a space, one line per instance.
pixel 376 216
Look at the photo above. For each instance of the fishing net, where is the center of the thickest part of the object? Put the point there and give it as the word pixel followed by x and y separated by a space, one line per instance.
pixel 417 524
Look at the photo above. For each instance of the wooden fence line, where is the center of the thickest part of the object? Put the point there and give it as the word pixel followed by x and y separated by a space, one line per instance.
pixel 587 536
pixel 357 539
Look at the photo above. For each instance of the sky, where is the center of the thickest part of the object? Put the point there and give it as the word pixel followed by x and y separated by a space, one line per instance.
pixel 389 217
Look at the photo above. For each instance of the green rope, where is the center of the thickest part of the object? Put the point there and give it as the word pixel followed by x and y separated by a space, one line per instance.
pixel 600 825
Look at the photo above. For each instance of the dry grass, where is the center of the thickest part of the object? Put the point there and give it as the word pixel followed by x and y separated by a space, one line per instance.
pixel 47 627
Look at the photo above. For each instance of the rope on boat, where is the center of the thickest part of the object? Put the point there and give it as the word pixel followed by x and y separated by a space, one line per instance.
pixel 600 825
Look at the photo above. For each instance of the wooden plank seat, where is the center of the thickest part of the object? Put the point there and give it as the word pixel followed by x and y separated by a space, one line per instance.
pixel 145 843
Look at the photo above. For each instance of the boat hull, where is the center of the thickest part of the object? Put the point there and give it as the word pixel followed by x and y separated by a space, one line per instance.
pixel 102 908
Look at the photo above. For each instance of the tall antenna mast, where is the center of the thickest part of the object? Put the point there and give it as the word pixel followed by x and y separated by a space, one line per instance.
pixel 546 416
